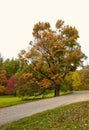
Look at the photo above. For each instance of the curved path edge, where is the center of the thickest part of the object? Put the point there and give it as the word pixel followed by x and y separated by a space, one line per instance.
pixel 14 113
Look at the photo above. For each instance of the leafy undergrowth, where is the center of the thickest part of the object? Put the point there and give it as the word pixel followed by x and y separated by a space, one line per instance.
pixel 6 101
pixel 71 117
pixel 48 94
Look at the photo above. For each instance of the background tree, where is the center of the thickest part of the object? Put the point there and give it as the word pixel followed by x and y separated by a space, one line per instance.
pixel 10 86
pixel 3 78
pixel 1 62
pixel 68 82
pixel 2 89
pixel 53 54
pixel 77 81
pixel 84 74
pixel 11 66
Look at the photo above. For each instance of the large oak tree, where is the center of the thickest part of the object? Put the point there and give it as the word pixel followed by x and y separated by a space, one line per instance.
pixel 53 54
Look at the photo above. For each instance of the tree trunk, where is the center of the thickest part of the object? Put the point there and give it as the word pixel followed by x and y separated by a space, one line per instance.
pixel 57 91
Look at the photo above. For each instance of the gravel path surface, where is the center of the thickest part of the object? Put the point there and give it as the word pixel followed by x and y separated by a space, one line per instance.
pixel 14 113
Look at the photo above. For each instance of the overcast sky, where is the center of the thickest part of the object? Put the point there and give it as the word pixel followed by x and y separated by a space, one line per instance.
pixel 17 18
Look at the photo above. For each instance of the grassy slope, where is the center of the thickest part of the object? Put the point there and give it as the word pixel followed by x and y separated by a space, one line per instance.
pixel 11 100
pixel 71 117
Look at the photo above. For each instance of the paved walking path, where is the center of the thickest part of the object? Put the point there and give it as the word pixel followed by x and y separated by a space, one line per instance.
pixel 17 112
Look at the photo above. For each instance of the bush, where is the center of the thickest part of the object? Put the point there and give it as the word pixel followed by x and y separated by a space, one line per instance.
pixel 27 90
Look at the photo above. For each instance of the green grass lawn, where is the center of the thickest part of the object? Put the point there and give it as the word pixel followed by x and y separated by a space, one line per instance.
pixel 6 101
pixel 9 101
pixel 71 117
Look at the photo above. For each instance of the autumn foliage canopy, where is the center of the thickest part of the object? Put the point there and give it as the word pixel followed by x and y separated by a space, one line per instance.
pixel 52 54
